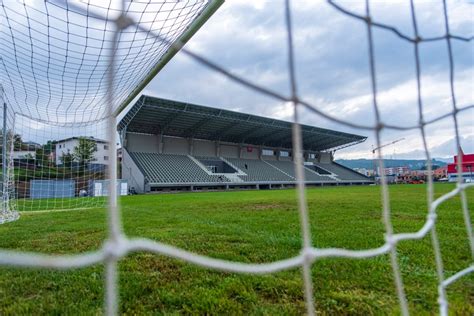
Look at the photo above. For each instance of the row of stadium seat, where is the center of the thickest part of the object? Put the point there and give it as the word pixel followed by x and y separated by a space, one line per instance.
pixel 166 168
pixel 176 169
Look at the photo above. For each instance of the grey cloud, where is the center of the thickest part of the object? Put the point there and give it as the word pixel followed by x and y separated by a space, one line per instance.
pixel 332 65
pixel 445 150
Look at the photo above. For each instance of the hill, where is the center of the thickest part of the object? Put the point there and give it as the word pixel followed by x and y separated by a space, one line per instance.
pixel 414 164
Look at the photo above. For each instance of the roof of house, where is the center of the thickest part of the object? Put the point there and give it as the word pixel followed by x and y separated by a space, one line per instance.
pixel 97 140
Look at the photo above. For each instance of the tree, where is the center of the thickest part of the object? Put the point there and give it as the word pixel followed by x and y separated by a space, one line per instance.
pixel 67 159
pixel 42 158
pixel 43 154
pixel 30 159
pixel 84 152
pixel 16 138
pixel 49 147
pixel 18 142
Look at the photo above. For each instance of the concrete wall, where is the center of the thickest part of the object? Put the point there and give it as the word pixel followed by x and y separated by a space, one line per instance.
pixel 132 173
pixel 181 146
pixel 325 157
pixel 175 145
pixel 250 154
pixel 142 143
pixel 204 148
pixel 230 151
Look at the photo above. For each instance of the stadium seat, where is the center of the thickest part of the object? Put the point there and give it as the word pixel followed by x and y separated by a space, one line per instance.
pixel 173 169
pixel 259 171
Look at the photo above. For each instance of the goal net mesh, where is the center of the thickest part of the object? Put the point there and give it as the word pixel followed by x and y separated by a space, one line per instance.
pixel 69 67
pixel 58 166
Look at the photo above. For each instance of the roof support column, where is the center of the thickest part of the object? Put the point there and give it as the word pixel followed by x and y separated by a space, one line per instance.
pixel 240 151
pixel 160 143
pixel 218 148
pixel 277 154
pixel 260 149
pixel 191 146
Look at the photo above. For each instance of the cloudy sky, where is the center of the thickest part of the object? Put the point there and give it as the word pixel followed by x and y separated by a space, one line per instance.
pixel 54 64
pixel 248 38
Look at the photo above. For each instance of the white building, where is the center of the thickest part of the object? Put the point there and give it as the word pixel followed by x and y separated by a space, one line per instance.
pixel 27 151
pixel 366 172
pixel 396 171
pixel 67 145
pixel 24 154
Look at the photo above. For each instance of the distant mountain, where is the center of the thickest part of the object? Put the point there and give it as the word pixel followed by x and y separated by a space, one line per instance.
pixel 413 164
pixel 446 160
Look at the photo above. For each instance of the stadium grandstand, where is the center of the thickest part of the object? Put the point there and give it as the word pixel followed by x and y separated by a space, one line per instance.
pixel 170 145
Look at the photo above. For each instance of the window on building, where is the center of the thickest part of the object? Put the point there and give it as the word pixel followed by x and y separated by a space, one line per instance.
pixel 106 158
pixel 106 147
pixel 284 154
pixel 268 152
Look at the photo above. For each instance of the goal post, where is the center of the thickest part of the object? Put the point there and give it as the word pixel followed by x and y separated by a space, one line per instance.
pixel 9 211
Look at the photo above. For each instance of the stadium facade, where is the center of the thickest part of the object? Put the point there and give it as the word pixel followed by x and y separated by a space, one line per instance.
pixel 467 168
pixel 170 145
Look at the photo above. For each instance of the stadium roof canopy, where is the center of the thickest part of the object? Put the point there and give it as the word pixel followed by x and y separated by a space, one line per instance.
pixel 150 115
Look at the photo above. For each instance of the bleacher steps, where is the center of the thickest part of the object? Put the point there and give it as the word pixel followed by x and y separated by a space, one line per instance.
pixel 332 175
pixel 232 177
pixel 229 176
pixel 239 172
pixel 279 169
pixel 197 162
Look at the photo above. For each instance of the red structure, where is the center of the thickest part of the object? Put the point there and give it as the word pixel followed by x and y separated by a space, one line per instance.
pixel 467 161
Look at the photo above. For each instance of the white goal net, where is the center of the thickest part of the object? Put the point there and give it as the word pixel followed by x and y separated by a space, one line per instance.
pixel 68 68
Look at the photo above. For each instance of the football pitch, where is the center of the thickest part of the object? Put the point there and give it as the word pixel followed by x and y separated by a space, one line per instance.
pixel 246 226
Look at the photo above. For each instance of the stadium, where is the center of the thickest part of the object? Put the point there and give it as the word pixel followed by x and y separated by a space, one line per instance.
pixel 185 157
pixel 170 145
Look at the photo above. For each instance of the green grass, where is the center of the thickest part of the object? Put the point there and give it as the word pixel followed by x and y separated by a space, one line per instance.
pixel 48 204
pixel 250 226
